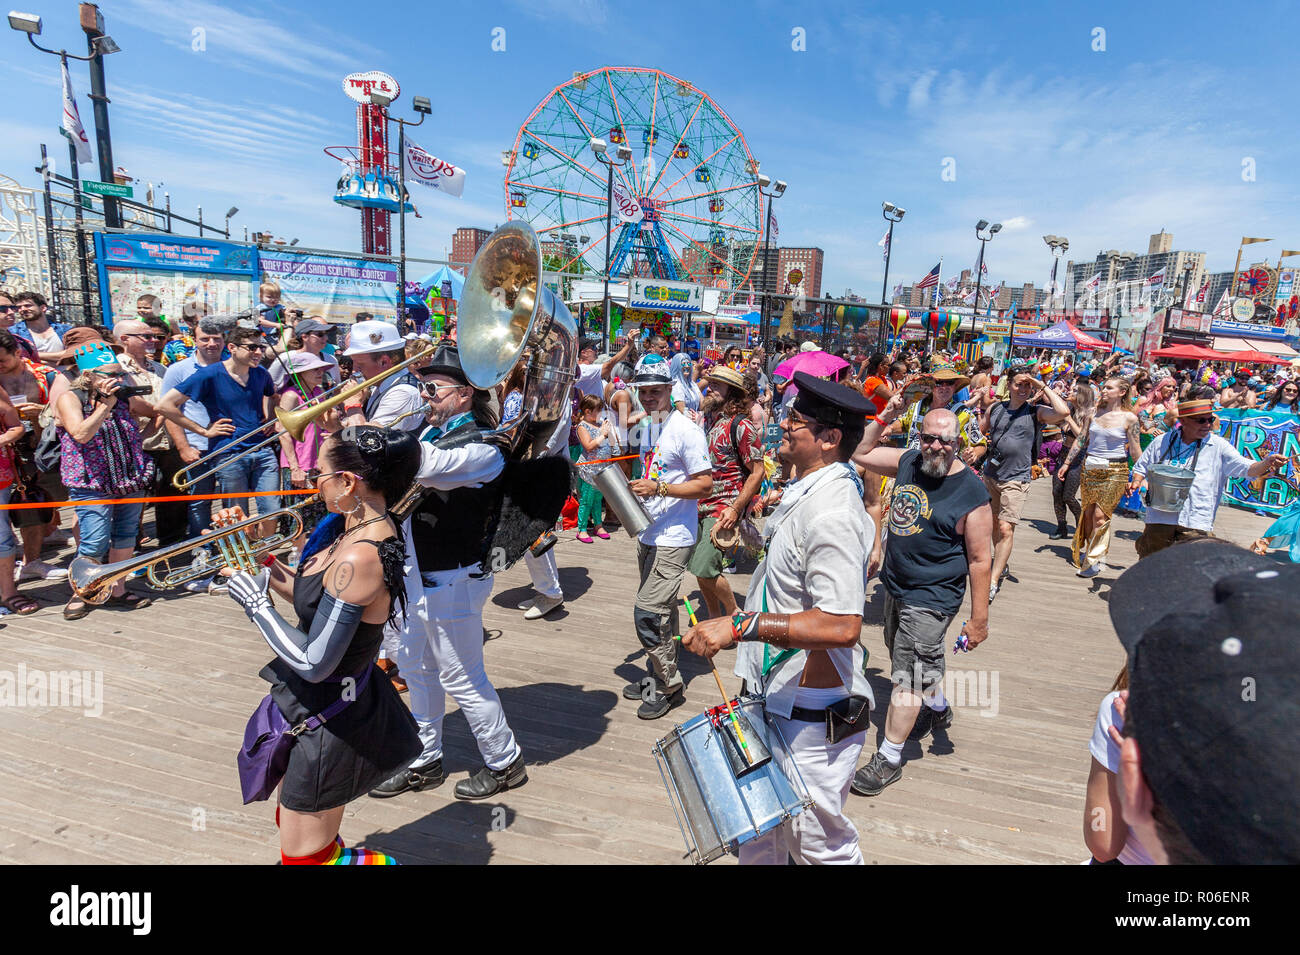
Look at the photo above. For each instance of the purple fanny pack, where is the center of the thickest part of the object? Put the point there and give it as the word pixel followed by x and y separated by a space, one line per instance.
pixel 268 738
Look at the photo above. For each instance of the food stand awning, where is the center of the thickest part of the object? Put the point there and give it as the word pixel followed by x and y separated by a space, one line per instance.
pixel 1063 335
pixel 1228 343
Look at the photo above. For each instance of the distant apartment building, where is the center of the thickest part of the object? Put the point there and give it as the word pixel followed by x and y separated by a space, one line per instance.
pixel 465 244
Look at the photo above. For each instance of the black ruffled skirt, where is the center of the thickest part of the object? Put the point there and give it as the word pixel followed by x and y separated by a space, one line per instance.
pixel 349 755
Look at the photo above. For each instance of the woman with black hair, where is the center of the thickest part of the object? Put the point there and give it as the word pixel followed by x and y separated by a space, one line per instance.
pixel 348 585
pixel 1287 395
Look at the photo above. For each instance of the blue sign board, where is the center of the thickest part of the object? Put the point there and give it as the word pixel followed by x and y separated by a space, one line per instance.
pixel 1247 330
pixel 172 253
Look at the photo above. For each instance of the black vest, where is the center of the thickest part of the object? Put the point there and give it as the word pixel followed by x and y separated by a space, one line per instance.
pixel 455 528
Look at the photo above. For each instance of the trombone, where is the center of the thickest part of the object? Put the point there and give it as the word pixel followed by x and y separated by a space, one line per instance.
pixel 295 422
pixel 93 582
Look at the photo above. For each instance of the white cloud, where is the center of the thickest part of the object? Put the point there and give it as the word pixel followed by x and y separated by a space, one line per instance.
pixel 918 96
pixel 1016 222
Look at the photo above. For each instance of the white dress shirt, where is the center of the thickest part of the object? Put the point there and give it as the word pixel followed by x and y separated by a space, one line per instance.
pixel 1217 462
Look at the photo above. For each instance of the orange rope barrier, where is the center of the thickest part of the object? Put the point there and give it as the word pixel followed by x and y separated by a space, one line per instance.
pixel 233 496
pixel 626 457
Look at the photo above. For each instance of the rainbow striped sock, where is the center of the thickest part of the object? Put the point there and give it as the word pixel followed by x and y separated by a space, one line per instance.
pixel 345 856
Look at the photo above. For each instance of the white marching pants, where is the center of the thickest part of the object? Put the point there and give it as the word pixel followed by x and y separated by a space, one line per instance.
pixel 821 834
pixel 445 655
pixel 546 576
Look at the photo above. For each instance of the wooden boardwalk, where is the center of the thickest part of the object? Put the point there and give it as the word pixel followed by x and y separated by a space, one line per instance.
pixel 152 778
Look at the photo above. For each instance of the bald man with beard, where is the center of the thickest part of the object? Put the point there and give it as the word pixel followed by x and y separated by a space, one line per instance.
pixel 940 527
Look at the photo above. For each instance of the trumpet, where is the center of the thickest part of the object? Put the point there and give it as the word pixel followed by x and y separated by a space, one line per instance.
pixel 295 422
pixel 93 582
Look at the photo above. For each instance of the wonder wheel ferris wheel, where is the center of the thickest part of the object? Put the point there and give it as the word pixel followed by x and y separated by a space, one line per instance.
pixel 686 203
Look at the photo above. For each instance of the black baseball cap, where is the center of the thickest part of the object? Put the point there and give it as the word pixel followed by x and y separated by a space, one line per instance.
pixel 1211 630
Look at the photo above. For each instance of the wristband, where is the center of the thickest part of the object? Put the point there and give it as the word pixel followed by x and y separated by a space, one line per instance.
pixel 662 489
pixel 744 626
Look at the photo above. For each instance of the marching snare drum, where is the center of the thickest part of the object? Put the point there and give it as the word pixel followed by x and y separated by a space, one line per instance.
pixel 721 796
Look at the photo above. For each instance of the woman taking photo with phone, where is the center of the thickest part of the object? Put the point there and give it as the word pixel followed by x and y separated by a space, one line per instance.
pixel 103 458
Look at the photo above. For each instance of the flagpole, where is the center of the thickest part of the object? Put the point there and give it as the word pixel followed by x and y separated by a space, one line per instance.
pixel 1236 269
pixel 82 264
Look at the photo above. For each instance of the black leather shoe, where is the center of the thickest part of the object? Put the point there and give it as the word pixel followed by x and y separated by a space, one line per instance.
pixel 1059 534
pixel 659 705
pixel 488 782
pixel 428 776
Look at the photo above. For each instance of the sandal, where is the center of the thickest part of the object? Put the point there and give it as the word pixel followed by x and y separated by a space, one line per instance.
pixel 129 601
pixel 21 605
pixel 75 609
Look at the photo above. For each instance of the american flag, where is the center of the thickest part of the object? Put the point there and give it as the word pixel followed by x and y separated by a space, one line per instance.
pixel 931 279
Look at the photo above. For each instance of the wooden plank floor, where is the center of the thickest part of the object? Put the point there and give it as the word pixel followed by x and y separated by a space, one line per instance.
pixel 152 779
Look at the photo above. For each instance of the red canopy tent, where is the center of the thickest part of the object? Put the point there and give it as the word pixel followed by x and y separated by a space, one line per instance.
pixel 1190 353
pixel 1255 358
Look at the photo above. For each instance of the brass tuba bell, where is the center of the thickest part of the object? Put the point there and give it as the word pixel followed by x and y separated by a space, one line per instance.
pixel 507 315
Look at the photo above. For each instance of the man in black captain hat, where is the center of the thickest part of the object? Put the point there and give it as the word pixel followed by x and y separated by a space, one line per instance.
pixel 940 526
pixel 450 579
pixel 797 639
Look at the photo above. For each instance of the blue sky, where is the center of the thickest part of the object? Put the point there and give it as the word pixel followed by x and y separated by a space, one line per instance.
pixel 1045 134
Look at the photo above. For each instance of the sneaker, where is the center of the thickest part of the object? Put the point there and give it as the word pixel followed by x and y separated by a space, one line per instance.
pixel 527 604
pixel 924 723
pixel 40 570
pixel 543 605
pixel 636 691
pixel 659 705
pixel 1059 534
pixel 875 776
pixel 1092 571
pixel 941 719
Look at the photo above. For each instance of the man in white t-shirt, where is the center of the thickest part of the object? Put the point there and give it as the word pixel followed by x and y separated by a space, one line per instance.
pixel 591 377
pixel 677 473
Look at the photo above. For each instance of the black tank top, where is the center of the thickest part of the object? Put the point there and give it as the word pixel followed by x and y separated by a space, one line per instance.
pixel 307 590
pixel 925 559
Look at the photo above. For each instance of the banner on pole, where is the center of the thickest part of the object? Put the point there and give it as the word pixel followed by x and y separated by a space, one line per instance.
pixel 333 287
pixel 428 170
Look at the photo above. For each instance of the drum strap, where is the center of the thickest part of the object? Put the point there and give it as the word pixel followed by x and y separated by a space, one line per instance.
pixel 770 662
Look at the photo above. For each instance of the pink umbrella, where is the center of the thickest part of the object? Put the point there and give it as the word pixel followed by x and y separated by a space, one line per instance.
pixel 819 364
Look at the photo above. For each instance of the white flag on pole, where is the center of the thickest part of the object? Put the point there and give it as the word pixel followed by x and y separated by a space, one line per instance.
pixel 952 284
pixel 626 205
pixel 71 124
pixel 430 171
pixel 884 246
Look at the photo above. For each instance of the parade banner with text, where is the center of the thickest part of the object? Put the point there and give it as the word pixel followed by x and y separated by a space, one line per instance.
pixel 333 287
pixel 1255 433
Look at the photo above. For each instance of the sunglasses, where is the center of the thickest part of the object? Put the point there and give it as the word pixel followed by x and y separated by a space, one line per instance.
pixel 252 347
pixel 1201 419
pixel 937 439
pixel 8 308
pixel 149 338
pixel 432 390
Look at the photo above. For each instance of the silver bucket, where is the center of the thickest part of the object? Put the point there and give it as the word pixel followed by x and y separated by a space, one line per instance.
pixel 612 484
pixel 1168 486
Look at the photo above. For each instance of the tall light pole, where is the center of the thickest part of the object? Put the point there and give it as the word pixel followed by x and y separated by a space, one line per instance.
pixel 422 106
pixel 765 320
pixel 1059 244
pixel 892 214
pixel 979 268
pixel 230 214
pixel 98 45
pixel 601 149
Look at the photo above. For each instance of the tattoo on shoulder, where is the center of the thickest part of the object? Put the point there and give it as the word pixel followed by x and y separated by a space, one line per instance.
pixel 343 575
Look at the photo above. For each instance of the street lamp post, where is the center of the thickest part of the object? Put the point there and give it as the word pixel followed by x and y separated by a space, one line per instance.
pixel 892 214
pixel 98 45
pixel 1058 244
pixel 765 319
pixel 230 214
pixel 979 270
pixel 601 149
pixel 422 106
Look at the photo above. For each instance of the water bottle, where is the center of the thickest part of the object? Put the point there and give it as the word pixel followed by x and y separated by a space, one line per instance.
pixel 292 559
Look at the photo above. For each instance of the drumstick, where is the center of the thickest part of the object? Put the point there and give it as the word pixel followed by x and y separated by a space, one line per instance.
pixel 726 700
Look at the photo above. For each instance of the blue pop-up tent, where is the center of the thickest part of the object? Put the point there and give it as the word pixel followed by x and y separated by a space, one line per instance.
pixel 434 280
